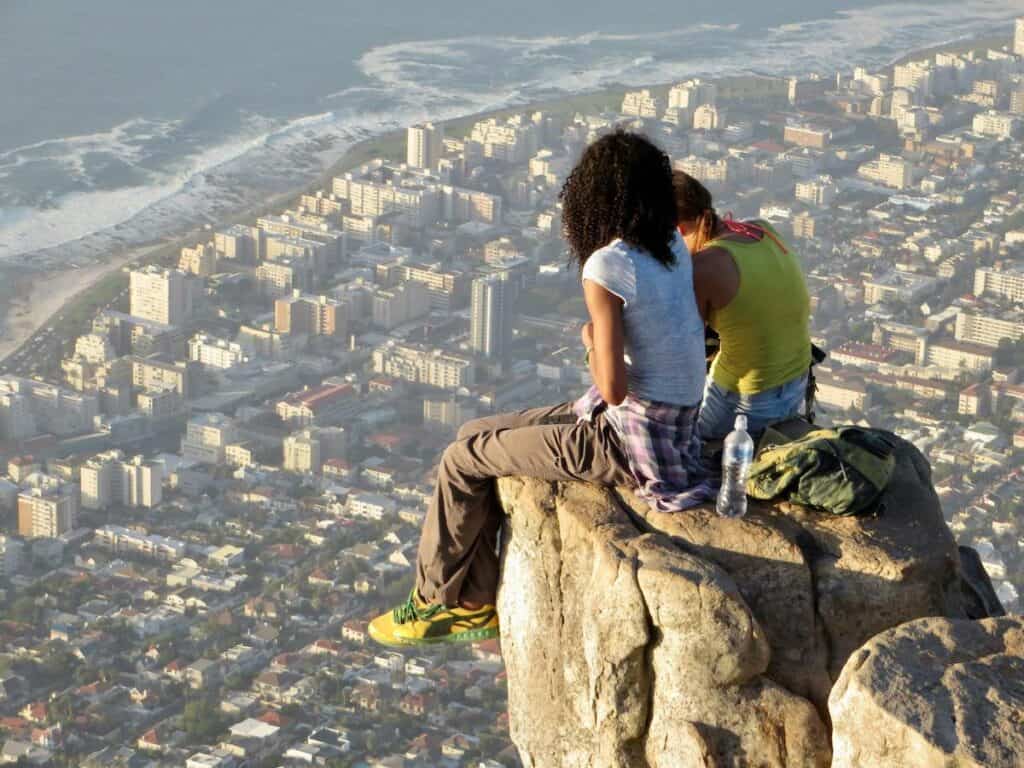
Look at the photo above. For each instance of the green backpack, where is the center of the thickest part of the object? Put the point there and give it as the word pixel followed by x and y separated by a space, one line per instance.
pixel 842 471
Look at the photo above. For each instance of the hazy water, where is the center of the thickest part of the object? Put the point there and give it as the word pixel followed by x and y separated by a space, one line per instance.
pixel 123 119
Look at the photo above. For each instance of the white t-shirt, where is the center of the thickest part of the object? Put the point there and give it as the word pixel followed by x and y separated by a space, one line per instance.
pixel 663 329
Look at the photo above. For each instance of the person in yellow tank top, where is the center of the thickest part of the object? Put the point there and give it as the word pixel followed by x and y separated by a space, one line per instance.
pixel 750 289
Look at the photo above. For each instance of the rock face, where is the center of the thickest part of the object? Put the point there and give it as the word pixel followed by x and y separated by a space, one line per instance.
pixel 933 692
pixel 636 638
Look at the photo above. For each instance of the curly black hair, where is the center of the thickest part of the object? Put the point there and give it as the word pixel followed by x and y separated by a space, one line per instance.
pixel 620 188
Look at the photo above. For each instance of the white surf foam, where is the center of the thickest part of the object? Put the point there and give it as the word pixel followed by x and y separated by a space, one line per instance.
pixel 439 79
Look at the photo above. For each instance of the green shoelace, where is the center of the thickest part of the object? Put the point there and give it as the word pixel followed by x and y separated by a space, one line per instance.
pixel 408 611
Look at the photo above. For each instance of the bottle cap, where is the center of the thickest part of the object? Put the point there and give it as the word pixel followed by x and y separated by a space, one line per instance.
pixel 741 423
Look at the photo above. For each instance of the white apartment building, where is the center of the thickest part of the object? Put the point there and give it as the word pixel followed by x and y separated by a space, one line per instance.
pixel 278 278
pixel 819 191
pixel 841 392
pixel 153 375
pixel 239 242
pixel 512 141
pixel 372 506
pixel 215 353
pixel 692 94
pixel 108 479
pixel 988 330
pixel 367 196
pixel 871 82
pixel 117 538
pixel 94 348
pixel 423 365
pixel 302 453
pixel 958 356
pixel 424 146
pixel 708 117
pixel 161 295
pixel 1018 36
pixel 29 408
pixel 305 452
pixel 914 76
pixel 898 286
pixel 1001 125
pixel 889 170
pixel 705 169
pixel 200 260
pixel 1007 282
pixel 642 104
pixel 207 437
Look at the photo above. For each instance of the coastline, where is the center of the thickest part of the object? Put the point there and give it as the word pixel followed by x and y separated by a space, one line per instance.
pixel 63 299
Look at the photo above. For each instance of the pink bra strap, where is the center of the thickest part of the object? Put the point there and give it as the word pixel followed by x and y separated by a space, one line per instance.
pixel 754 232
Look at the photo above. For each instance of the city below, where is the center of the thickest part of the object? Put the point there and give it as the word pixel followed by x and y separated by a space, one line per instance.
pixel 212 482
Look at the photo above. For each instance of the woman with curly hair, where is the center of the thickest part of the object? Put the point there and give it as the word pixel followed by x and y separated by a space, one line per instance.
pixel 644 346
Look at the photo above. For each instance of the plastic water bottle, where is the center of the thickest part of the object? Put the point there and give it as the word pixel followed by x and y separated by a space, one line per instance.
pixel 737 454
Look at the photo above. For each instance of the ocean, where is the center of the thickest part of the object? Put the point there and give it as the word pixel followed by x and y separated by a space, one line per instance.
pixel 122 121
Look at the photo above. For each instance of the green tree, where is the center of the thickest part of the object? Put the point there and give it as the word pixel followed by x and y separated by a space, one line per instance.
pixel 201 719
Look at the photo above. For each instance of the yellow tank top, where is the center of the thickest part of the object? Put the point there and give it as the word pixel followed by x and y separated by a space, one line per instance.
pixel 764 330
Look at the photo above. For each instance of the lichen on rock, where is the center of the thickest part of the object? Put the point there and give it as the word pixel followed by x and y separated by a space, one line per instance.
pixel 934 692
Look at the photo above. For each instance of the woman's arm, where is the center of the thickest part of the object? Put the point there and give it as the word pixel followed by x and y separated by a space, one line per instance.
pixel 603 339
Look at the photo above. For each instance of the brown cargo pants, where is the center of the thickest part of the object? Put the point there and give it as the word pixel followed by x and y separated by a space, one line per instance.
pixel 458 551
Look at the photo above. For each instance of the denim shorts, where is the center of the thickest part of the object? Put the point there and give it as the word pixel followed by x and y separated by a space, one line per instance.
pixel 720 407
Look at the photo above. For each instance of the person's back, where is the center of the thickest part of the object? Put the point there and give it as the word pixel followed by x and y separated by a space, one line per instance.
pixel 664 359
pixel 763 331
pixel 750 289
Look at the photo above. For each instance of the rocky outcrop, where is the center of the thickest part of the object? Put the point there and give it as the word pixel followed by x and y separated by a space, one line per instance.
pixel 933 692
pixel 636 638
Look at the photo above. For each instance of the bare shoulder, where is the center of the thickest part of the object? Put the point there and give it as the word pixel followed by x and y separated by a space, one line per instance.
pixel 711 258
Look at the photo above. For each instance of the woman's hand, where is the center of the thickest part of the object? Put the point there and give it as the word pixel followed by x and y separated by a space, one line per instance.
pixel 587 335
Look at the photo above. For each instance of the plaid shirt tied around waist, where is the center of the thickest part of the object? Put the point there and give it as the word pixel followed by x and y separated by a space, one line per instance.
pixel 661 446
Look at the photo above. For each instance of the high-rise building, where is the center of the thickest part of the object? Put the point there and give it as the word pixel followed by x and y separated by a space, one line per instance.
pixel 201 260
pixel 692 94
pixel 1018 37
pixel 424 145
pixel 490 315
pixel 240 242
pixel 306 451
pixel 162 295
pixel 47 510
pixel 108 479
pixel 301 314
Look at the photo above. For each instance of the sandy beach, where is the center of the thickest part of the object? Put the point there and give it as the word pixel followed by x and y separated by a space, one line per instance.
pixel 50 291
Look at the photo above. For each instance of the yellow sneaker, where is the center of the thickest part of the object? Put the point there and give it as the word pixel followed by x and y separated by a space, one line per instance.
pixel 417 623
